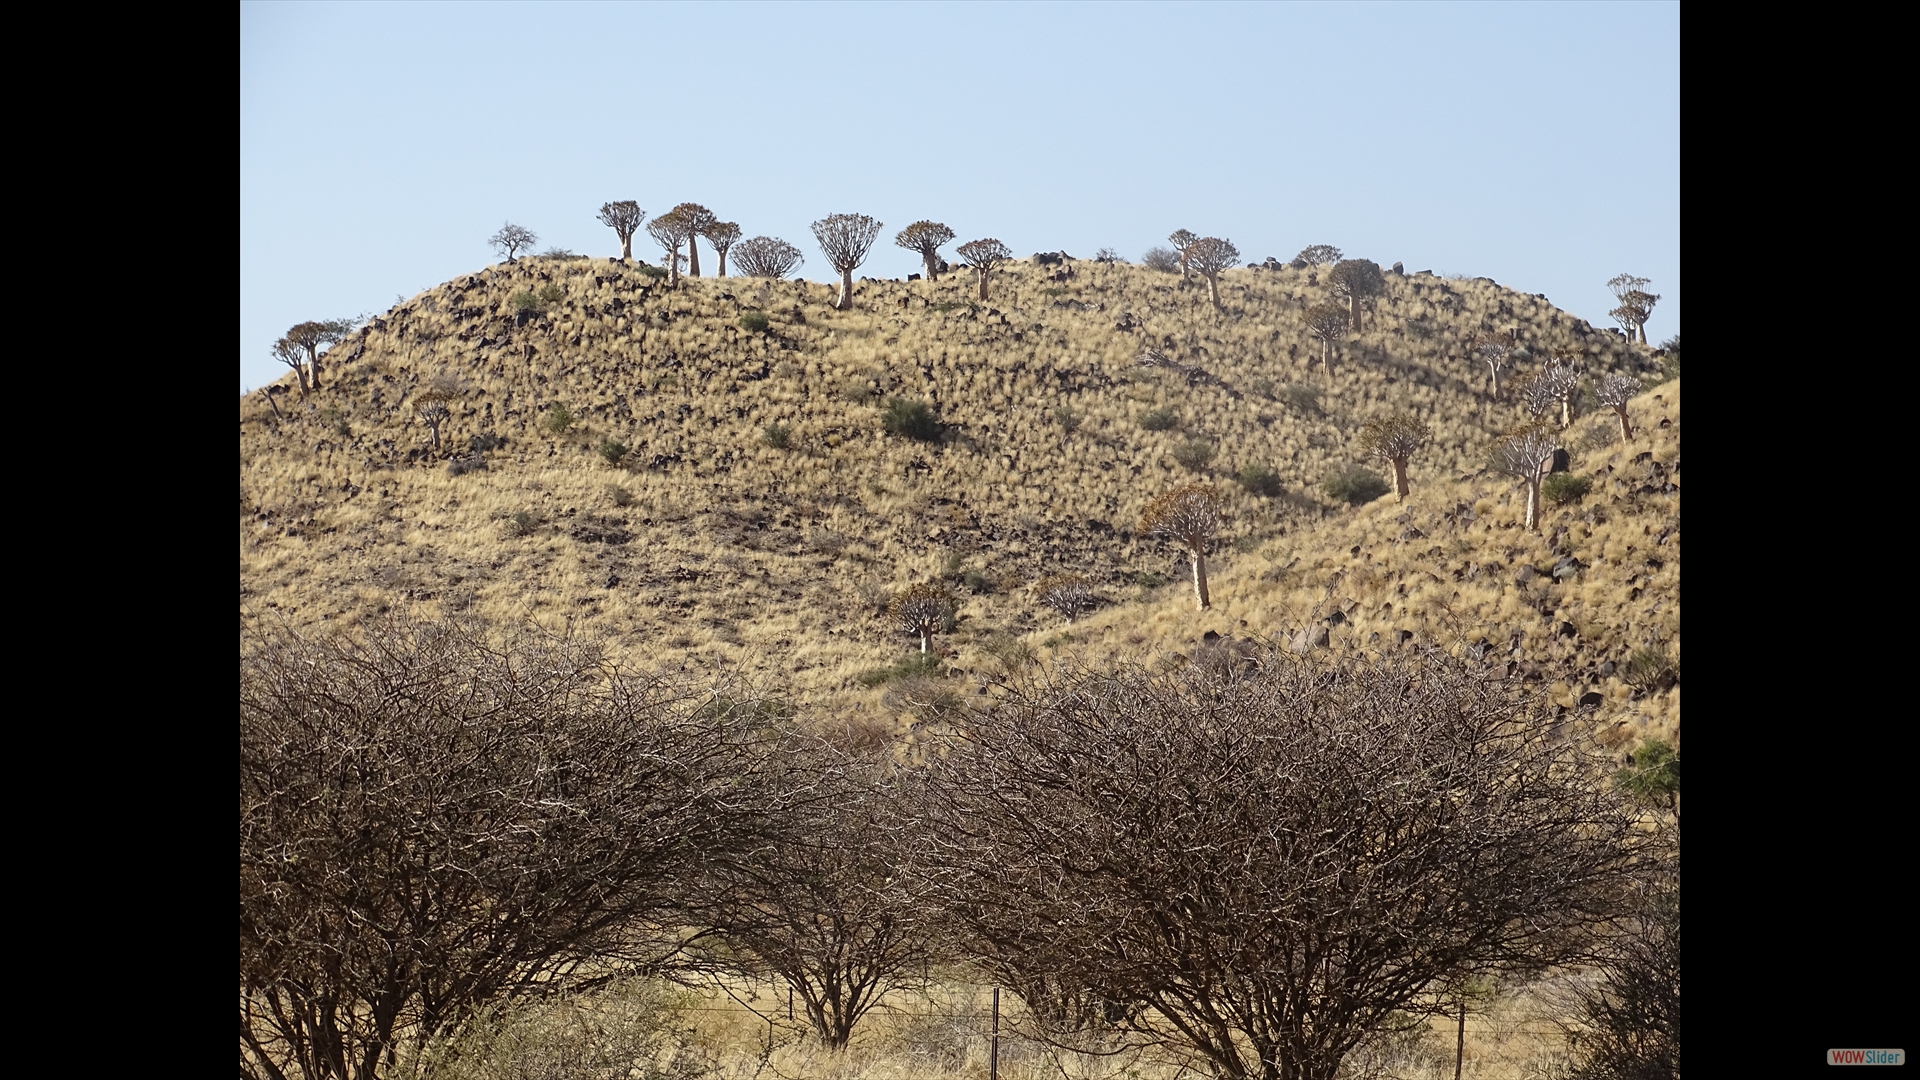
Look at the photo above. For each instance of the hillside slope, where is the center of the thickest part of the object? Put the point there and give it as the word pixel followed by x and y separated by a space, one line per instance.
pixel 705 542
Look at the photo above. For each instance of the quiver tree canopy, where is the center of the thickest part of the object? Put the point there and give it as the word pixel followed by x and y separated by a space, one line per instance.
pixel 1524 454
pixel 1210 255
pixel 1068 594
pixel 1355 282
pixel 624 219
pixel 1318 255
pixel 1327 322
pixel 922 610
pixel 698 220
pixel 1181 239
pixel 984 256
pixel 925 239
pixel 1395 439
pixel 670 230
pixel 1188 516
pixel 1615 391
pixel 766 257
pixel 845 239
pixel 722 235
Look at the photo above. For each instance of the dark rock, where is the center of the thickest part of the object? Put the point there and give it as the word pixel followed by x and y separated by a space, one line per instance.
pixel 1337 618
pixel 1567 630
pixel 1562 461
pixel 1523 575
pixel 1608 668
pixel 1592 700
pixel 1210 637
pixel 1401 637
pixel 913 277
pixel 1400 269
pixel 612 580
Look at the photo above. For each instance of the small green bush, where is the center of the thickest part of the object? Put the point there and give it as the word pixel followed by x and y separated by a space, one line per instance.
pixel 1150 579
pixel 612 451
pixel 1264 387
pixel 1054 290
pixel 652 271
pixel 558 419
pixel 1260 480
pixel 953 305
pixel 913 419
pixel 521 523
pixel 777 436
pixel 1194 454
pixel 1562 487
pixel 977 582
pixel 754 322
pixel 1354 484
pixel 1646 669
pixel 858 391
pixel 525 301
pixel 1303 397
pixel 1067 419
pixel 551 293
pixel 1161 419
pixel 910 666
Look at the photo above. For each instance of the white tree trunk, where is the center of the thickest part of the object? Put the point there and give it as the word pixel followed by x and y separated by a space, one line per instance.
pixel 1201 598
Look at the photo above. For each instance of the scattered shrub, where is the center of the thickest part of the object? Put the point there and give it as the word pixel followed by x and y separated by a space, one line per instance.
pixel 1563 488
pixel 1264 387
pixel 1067 418
pixel 754 322
pixel 612 451
pixel 1150 579
pixel 945 306
pixel 561 253
pixel 913 419
pixel 1260 480
pixel 1161 419
pixel 1194 454
pixel 1354 485
pixel 1161 259
pixel 858 391
pixel 977 582
pixel 912 665
pixel 777 436
pixel 652 271
pixel 461 466
pixel 558 419
pixel 525 302
pixel 1303 397
pixel 485 441
pixel 551 294
pixel 621 496
pixel 1054 290
pixel 1647 669
pixel 521 523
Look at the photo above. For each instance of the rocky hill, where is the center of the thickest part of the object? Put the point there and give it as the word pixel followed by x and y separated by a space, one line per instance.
pixel 708 474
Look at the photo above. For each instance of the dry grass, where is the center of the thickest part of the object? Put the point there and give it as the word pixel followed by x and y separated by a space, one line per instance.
pixel 707 545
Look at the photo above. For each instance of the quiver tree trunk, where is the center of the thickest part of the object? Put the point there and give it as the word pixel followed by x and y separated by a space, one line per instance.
pixel 933 268
pixel 693 256
pixel 313 363
pixel 626 248
pixel 1326 357
pixel 673 267
pixel 722 254
pixel 926 639
pixel 1399 476
pixel 1201 597
pixel 845 303
pixel 1213 290
pixel 983 283
pixel 1626 425
pixel 1532 524
pixel 1566 412
pixel 1494 369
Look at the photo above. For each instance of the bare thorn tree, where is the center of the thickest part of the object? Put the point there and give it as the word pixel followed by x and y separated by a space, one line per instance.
pixel 624 219
pixel 722 235
pixel 1395 439
pixel 766 257
pixel 1636 305
pixel 1357 282
pixel 1265 862
pixel 1068 594
pixel 845 239
pixel 921 609
pixel 1525 455
pixel 512 239
pixel 1318 255
pixel 925 238
pixel 1210 255
pixel 1327 322
pixel 434 817
pixel 984 256
pixel 670 230
pixel 698 220
pixel 1189 516
pixel 315 338
pixel 1181 240
pixel 1615 391
pixel 1164 260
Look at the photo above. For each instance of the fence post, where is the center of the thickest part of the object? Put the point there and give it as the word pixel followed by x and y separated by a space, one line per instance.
pixel 1460 1041
pixel 993 1065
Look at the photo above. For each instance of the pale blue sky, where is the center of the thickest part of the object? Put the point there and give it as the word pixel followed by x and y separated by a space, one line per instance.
pixel 381 144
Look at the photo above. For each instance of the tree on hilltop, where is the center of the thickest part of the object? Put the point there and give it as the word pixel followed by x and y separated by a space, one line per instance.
pixel 1210 255
pixel 1164 260
pixel 294 357
pixel 722 235
pixel 1524 454
pixel 1636 305
pixel 925 238
pixel 1614 392
pixel 1356 281
pixel 1395 439
pixel 984 255
pixel 921 609
pixel 1318 255
pixel 624 219
pixel 1189 516
pixel 698 220
pixel 1327 322
pixel 1181 239
pixel 845 239
pixel 314 338
pixel 670 230
pixel 766 257
pixel 512 239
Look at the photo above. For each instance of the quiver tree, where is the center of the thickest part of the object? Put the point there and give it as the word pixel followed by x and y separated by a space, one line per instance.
pixel 1635 305
pixel 433 414
pixel 1267 860
pixel 624 219
pixel 294 357
pixel 670 230
pixel 1188 516
pixel 845 239
pixel 766 257
pixel 1068 594
pixel 1318 255
pixel 831 908
pixel 435 817
pixel 1614 392
pixel 722 235
pixel 1495 352
pixel 430 404
pixel 1558 382
pixel 314 338
pixel 512 239
pixel 1210 255
pixel 1394 440
pixel 1181 240
pixel 984 256
pixel 1525 454
pixel 923 610
pixel 1356 282
pixel 1327 322
pixel 698 220
pixel 925 239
